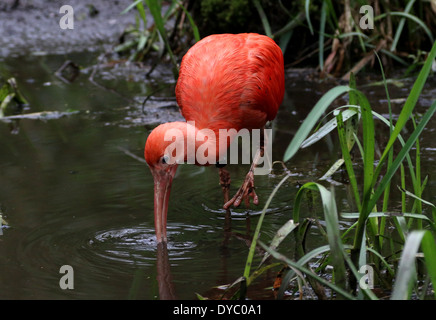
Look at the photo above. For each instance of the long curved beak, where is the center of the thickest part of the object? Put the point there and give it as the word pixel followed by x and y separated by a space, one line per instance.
pixel 162 189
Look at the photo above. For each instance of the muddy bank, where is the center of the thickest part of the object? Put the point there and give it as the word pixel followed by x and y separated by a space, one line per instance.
pixel 32 26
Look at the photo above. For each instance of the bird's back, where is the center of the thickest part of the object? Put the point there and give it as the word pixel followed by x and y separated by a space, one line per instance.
pixel 231 81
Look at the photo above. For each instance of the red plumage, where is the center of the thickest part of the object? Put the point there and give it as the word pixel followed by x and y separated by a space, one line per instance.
pixel 231 81
pixel 226 81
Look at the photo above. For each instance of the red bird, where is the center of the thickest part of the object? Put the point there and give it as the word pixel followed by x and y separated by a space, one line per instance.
pixel 226 81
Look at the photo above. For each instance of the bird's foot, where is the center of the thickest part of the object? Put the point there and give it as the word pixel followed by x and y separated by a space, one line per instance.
pixel 245 192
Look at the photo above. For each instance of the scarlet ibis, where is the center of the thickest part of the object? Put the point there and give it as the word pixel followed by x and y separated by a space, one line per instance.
pixel 226 81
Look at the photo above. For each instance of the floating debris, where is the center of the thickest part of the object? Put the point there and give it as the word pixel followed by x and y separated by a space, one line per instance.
pixel 68 72
pixel 45 115
pixel 9 93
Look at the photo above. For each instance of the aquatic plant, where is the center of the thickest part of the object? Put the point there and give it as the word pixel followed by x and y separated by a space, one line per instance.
pixel 141 39
pixel 394 258
pixel 11 99
pixel 342 35
pixel 349 31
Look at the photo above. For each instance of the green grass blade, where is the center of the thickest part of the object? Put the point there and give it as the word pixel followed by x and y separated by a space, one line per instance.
pixel 263 18
pixel 406 269
pixel 368 145
pixel 321 34
pixel 429 248
pixel 5 103
pixel 306 9
pixel 335 167
pixel 302 261
pixel 352 127
pixel 347 160
pixel 284 40
pixel 401 26
pixel 332 225
pixel 312 119
pixel 250 257
pixel 141 10
pixel 411 17
pixel 410 194
pixel 383 260
pixel 368 169
pixel 386 194
pixel 328 127
pixel 290 25
pixel 191 22
pixel 402 154
pixel 281 234
pixel 308 272
pixel 131 6
pixel 156 12
pixel 337 250
pixel 352 34
pixel 408 107
pixel 355 215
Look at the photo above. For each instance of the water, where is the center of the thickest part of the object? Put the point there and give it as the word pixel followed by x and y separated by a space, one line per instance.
pixel 72 194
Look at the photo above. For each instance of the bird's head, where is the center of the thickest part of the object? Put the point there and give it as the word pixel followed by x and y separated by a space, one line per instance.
pixel 163 160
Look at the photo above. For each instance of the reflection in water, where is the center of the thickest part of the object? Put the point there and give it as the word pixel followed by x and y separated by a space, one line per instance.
pixel 163 266
pixel 71 196
pixel 164 278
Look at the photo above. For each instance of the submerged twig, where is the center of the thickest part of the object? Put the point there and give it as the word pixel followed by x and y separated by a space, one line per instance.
pixel 130 154
pixel 68 72
pixel 368 57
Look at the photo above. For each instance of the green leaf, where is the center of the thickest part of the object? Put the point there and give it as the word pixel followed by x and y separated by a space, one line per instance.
pixel 281 234
pixel 331 219
pixel 312 118
pixel 335 167
pixel 131 6
pixel 263 18
pixel 412 195
pixel 250 257
pixel 408 107
pixel 355 215
pixel 141 10
pixel 308 272
pixel 401 26
pixel 191 22
pixel 347 159
pixel 411 17
pixel 306 8
pixel 328 127
pixel 406 270
pixel 321 33
pixel 155 10
pixel 402 154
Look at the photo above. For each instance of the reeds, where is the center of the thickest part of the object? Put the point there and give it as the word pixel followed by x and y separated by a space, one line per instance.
pixel 365 244
pixel 347 33
pixel 143 38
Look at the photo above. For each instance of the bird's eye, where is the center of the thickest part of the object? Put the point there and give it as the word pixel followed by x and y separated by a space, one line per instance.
pixel 165 159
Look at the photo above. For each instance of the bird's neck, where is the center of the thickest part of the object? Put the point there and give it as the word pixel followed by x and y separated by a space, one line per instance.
pixel 197 146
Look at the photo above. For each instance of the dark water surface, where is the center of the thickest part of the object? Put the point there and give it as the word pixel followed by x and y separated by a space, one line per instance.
pixel 72 194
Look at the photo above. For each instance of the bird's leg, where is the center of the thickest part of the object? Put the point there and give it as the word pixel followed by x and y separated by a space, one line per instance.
pixel 225 183
pixel 247 189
